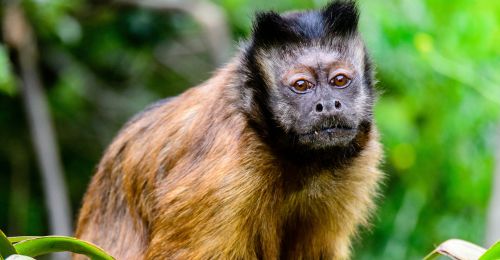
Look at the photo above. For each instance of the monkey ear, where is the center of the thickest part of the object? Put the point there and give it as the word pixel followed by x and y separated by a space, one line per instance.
pixel 341 17
pixel 269 28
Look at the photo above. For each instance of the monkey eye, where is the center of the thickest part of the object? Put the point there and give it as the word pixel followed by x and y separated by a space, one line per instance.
pixel 302 85
pixel 340 81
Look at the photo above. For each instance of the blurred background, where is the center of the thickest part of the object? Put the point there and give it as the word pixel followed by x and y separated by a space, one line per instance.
pixel 72 73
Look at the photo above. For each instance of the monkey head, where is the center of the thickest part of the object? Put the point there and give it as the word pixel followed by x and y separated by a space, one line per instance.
pixel 309 74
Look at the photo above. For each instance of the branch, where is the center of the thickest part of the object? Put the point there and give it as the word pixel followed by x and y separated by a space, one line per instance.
pixel 19 36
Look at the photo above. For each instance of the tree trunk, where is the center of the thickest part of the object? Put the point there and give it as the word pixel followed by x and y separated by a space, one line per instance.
pixel 19 36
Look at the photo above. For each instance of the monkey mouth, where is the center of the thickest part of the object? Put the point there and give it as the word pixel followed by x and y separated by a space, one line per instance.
pixel 330 130
pixel 338 134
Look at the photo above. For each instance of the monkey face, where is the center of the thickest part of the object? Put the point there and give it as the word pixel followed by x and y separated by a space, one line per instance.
pixel 310 73
pixel 318 95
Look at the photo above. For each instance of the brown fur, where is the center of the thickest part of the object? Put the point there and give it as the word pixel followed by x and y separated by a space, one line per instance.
pixel 189 179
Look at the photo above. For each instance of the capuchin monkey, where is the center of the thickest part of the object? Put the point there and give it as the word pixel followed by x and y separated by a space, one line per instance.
pixel 275 157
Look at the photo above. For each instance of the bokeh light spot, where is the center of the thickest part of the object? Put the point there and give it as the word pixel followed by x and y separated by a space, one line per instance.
pixel 423 42
pixel 403 156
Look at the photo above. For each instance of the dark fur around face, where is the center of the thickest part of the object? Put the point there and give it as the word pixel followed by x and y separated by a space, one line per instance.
pixel 313 45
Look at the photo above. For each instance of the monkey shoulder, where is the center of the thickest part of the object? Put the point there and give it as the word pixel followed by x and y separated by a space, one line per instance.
pixel 151 107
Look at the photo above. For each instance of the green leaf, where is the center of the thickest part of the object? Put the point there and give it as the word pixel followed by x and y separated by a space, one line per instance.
pixel 6 248
pixel 456 249
pixel 14 240
pixel 492 253
pixel 51 244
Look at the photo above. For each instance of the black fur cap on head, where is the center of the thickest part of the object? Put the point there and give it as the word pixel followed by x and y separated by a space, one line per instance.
pixel 339 18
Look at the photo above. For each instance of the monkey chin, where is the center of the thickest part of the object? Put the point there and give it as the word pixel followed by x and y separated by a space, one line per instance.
pixel 330 137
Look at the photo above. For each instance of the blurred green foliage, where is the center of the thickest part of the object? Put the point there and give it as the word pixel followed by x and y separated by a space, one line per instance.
pixel 7 85
pixel 438 111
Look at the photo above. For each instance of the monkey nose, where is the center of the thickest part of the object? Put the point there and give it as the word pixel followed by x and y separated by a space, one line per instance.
pixel 338 105
pixel 322 107
pixel 319 107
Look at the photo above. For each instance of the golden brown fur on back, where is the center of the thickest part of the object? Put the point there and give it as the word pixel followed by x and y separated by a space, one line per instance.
pixel 189 179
